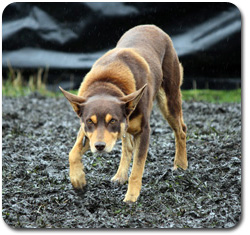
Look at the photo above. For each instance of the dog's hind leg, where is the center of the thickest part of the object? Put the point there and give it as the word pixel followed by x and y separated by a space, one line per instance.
pixel 121 175
pixel 77 175
pixel 169 101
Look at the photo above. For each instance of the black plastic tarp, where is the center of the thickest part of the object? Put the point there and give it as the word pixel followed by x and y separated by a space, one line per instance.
pixel 63 36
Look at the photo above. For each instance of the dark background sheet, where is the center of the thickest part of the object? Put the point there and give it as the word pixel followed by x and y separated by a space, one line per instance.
pixel 68 37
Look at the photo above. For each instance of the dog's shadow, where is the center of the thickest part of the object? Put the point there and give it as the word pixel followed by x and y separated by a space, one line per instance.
pixel 80 192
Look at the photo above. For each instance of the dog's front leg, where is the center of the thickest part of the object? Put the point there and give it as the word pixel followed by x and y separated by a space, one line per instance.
pixel 135 179
pixel 121 175
pixel 77 175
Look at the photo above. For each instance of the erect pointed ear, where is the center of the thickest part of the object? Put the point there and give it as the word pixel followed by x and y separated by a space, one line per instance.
pixel 75 101
pixel 133 99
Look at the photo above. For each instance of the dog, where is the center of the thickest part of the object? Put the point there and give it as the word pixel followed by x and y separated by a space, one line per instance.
pixel 115 100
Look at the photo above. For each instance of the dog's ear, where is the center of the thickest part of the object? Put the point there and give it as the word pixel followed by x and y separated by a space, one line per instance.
pixel 75 101
pixel 132 100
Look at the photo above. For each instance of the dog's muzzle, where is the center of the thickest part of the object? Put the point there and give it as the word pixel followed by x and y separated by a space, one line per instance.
pixel 100 146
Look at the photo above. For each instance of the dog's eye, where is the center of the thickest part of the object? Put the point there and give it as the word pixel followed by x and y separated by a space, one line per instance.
pixel 89 121
pixel 112 121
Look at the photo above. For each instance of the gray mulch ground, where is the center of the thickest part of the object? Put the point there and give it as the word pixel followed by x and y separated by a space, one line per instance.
pixel 39 132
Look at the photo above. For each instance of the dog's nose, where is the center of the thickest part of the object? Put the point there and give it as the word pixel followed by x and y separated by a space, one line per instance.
pixel 100 145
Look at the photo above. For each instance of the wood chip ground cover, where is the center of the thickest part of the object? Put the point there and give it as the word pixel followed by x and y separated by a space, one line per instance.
pixel 38 133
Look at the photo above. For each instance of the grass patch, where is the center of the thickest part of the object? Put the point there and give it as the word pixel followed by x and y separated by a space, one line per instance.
pixel 213 96
pixel 10 90
pixel 15 86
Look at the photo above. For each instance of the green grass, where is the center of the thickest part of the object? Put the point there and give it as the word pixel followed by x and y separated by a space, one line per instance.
pixel 14 86
pixel 16 91
pixel 213 96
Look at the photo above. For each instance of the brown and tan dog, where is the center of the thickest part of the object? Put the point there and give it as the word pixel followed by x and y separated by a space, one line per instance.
pixel 115 101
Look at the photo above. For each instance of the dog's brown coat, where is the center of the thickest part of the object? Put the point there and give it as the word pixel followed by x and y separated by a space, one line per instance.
pixel 143 55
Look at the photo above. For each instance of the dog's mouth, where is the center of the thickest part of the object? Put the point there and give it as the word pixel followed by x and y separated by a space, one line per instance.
pixel 100 152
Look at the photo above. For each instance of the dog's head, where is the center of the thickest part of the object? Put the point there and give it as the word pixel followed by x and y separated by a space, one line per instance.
pixel 104 118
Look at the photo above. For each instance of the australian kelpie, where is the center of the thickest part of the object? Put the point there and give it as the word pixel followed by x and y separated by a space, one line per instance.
pixel 115 100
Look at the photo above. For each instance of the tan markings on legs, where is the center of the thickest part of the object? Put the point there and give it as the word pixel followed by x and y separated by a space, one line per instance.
pixel 135 179
pixel 181 73
pixel 121 175
pixel 180 159
pixel 77 175
pixel 179 129
pixel 108 118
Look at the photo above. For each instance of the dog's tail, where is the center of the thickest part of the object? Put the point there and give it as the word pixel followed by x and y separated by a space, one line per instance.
pixel 181 73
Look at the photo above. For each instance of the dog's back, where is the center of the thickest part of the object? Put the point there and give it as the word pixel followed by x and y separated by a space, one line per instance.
pixel 138 58
pixel 147 40
pixel 154 45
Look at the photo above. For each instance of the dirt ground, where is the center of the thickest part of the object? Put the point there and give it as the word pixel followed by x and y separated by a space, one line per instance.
pixel 39 132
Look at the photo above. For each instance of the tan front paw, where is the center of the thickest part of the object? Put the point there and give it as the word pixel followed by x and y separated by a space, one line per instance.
pixel 77 178
pixel 120 178
pixel 133 192
pixel 129 197
pixel 182 164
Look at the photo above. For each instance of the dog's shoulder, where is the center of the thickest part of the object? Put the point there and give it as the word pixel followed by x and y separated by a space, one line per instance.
pixel 123 67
